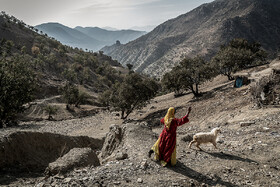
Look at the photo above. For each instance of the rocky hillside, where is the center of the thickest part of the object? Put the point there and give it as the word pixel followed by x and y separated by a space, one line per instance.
pixel 55 63
pixel 201 32
pixel 103 150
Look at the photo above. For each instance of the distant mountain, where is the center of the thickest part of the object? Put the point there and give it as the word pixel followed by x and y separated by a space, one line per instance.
pixel 201 32
pixel 91 38
pixel 110 28
pixel 69 36
pixel 110 37
pixel 147 28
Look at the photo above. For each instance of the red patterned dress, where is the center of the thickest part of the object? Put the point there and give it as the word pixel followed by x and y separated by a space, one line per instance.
pixel 165 147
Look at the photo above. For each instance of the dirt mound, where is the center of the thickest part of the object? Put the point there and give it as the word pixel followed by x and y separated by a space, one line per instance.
pixel 35 150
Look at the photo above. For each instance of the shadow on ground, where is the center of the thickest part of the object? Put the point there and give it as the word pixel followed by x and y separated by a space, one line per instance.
pixel 227 156
pixel 10 175
pixel 190 173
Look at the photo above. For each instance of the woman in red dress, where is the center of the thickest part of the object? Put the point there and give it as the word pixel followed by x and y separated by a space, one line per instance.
pixel 165 146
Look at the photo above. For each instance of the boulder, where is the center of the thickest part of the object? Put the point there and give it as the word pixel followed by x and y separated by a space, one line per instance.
pixel 112 140
pixel 75 158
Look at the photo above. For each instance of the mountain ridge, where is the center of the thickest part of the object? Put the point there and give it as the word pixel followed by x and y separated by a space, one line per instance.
pixel 201 32
pixel 91 38
pixel 124 35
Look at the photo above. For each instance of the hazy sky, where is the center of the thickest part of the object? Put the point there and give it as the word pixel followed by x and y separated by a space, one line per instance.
pixel 121 14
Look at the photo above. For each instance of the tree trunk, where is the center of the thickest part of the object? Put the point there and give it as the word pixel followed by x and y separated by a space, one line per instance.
pixel 230 78
pixel 50 117
pixel 228 74
pixel 195 92
pixel 196 88
pixel 127 113
pixel 191 87
pixel 122 115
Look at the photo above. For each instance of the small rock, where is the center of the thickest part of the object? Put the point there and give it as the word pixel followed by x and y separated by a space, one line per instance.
pixel 67 180
pixel 59 177
pixel 257 133
pixel 144 164
pixel 53 183
pixel 41 184
pixel 265 128
pixel 117 182
pixel 121 156
pixel 246 123
pixel 139 180
pixel 175 184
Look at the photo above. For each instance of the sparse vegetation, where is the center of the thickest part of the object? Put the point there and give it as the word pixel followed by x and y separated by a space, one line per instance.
pixel 70 94
pixel 191 72
pixel 51 110
pixel 83 98
pixel 133 93
pixel 237 55
pixel 54 62
pixel 188 75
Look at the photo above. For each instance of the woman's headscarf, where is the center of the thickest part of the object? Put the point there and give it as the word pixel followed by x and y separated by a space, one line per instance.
pixel 169 116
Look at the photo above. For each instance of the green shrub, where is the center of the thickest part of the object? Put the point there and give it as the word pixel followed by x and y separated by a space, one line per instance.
pixel 51 110
pixel 70 94
pixel 133 93
pixel 18 84
pixel 237 55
